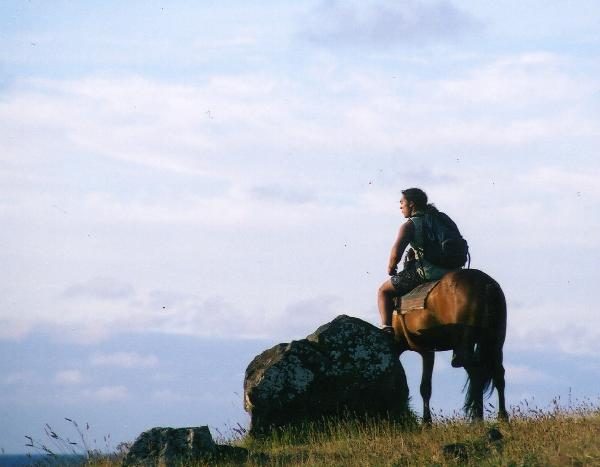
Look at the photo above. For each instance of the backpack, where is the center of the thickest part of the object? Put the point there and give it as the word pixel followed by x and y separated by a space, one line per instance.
pixel 443 244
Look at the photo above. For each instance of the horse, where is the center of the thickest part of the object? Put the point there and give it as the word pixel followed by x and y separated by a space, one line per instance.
pixel 465 312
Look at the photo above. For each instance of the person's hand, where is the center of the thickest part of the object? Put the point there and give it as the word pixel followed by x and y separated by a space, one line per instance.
pixel 392 270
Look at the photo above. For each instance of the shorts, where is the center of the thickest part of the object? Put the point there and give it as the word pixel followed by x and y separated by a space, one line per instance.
pixel 406 280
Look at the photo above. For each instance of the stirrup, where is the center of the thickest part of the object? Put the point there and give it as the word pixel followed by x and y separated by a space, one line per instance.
pixel 388 329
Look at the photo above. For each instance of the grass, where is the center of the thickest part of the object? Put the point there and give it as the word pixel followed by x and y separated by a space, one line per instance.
pixel 62 450
pixel 533 437
pixel 554 435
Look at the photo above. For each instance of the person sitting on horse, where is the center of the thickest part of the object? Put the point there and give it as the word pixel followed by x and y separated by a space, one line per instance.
pixel 417 269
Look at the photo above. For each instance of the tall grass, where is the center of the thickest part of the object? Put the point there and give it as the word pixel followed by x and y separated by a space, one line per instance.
pixel 81 449
pixel 554 435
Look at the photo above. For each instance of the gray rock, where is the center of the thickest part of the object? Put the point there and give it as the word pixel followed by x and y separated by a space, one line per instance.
pixel 171 447
pixel 477 449
pixel 458 452
pixel 345 366
pixel 494 435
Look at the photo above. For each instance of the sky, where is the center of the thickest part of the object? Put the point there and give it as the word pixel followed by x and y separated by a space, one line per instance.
pixel 185 184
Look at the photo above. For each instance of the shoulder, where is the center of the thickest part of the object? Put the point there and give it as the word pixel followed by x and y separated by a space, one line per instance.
pixel 415 221
pixel 408 227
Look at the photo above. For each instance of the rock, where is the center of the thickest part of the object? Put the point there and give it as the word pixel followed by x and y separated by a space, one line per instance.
pixel 456 451
pixel 479 448
pixel 494 435
pixel 178 446
pixel 495 439
pixel 345 366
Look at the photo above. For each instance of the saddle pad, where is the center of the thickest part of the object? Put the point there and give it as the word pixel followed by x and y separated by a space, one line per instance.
pixel 416 298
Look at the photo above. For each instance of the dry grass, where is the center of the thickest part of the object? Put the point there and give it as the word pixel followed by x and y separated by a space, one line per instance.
pixel 552 436
pixel 534 437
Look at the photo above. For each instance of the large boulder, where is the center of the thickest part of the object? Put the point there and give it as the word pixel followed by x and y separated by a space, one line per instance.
pixel 170 447
pixel 347 366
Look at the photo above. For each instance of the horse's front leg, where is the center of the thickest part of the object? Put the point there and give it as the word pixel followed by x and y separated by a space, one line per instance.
pixel 428 361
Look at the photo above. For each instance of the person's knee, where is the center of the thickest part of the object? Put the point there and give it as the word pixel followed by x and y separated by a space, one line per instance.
pixel 385 289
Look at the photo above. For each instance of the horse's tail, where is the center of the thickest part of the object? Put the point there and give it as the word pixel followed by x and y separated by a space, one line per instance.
pixel 487 359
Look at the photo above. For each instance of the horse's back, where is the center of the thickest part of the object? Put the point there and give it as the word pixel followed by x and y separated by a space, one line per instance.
pixel 467 297
pixel 466 300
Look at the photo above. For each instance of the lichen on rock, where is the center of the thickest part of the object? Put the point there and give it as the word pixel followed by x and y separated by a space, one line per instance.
pixel 171 447
pixel 345 366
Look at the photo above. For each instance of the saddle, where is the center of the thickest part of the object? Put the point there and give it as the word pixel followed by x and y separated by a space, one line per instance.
pixel 416 299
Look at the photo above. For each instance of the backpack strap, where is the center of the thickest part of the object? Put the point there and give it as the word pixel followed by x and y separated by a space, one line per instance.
pixel 416 250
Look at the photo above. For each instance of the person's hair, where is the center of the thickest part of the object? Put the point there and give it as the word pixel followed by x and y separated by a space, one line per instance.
pixel 419 197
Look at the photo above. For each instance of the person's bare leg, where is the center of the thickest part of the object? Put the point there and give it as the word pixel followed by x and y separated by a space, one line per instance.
pixel 385 302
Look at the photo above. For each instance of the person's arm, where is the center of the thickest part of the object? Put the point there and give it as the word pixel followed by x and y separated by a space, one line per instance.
pixel 405 235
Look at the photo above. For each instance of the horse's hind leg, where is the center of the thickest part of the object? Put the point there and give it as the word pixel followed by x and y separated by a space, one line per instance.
pixel 499 384
pixel 428 361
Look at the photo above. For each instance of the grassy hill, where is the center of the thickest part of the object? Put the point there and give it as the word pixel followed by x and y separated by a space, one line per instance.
pixel 533 437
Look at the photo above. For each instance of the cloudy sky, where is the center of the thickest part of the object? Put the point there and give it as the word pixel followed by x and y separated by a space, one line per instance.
pixel 184 184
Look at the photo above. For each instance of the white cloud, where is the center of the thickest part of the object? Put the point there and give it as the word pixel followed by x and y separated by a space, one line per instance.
pixel 92 321
pixel 208 129
pixel 304 316
pixel 119 119
pixel 125 360
pixel 517 82
pixel 17 377
pixel 573 181
pixel 563 326
pixel 289 180
pixel 108 393
pixel 14 327
pixel 259 311
pixel 523 374
pixel 106 288
pixel 168 395
pixel 386 24
pixel 234 208
pixel 68 377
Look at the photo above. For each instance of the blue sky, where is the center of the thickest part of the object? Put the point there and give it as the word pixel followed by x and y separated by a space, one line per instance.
pixel 183 185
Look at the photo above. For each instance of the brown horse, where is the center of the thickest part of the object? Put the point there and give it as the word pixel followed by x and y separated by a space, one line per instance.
pixel 466 313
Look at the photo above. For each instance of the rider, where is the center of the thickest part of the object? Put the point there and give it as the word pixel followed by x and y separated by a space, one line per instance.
pixel 417 269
